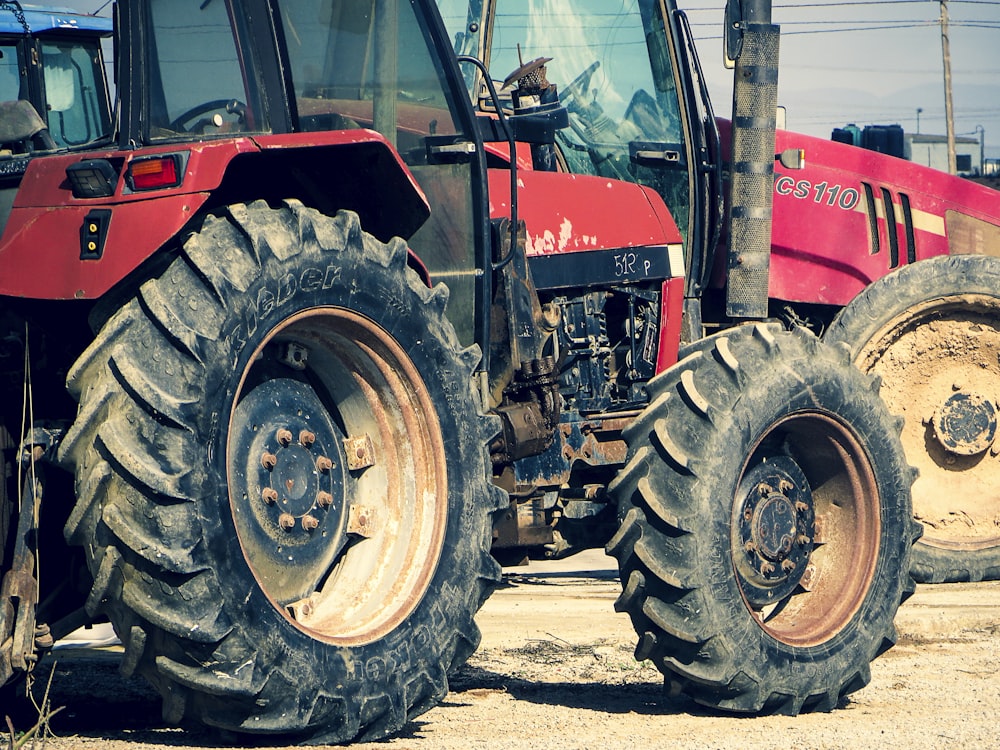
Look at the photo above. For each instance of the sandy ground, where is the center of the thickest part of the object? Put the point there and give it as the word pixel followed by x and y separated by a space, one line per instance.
pixel 556 670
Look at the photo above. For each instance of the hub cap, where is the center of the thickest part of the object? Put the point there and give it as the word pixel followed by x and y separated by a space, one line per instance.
pixel 966 424
pixel 776 528
pixel 294 509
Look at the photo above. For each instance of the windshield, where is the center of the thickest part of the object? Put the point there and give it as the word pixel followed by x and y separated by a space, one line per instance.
pixel 609 60
pixel 615 74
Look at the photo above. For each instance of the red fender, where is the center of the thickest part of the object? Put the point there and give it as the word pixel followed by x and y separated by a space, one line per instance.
pixel 40 250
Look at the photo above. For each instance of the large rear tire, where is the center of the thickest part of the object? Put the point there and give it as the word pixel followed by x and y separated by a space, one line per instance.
pixel 765 524
pixel 931 332
pixel 282 482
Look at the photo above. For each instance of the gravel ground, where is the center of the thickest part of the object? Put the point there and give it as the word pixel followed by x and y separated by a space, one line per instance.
pixel 556 669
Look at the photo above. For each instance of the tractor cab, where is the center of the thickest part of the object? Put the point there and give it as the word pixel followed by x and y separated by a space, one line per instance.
pixel 53 88
pixel 51 58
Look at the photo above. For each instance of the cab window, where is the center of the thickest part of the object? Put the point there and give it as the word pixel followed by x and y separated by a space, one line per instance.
pixel 197 82
pixel 372 65
pixel 75 93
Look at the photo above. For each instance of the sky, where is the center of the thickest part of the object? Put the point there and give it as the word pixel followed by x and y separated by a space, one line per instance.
pixel 868 62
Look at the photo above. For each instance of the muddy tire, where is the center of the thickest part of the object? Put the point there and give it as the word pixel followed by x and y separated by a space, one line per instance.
pixel 931 331
pixel 765 524
pixel 282 481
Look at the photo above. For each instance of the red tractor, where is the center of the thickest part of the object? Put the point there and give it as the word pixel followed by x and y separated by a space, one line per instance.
pixel 852 230
pixel 313 333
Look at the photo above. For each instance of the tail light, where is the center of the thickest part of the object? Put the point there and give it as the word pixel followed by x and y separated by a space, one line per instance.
pixel 154 173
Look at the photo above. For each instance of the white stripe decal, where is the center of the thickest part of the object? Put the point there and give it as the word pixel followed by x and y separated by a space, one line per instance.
pixel 922 220
pixel 928 222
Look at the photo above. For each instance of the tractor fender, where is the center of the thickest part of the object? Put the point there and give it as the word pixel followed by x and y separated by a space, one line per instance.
pixel 51 230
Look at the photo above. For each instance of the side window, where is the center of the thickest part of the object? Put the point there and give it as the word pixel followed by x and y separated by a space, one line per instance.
pixel 74 93
pixel 352 68
pixel 10 73
pixel 464 21
pixel 197 82
pixel 370 64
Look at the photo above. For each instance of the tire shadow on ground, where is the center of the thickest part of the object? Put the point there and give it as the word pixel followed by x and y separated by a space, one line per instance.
pixel 647 698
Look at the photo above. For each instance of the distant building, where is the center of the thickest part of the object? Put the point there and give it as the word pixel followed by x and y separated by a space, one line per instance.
pixel 932 151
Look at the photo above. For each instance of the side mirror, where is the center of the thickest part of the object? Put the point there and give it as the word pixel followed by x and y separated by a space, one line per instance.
pixel 732 33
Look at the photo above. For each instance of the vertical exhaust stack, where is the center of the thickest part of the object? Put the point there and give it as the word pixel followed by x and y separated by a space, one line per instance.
pixel 752 41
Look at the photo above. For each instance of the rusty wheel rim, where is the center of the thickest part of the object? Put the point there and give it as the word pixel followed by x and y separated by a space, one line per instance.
pixel 337 478
pixel 938 356
pixel 805 545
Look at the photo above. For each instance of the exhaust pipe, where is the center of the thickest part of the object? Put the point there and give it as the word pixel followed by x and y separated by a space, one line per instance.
pixel 752 41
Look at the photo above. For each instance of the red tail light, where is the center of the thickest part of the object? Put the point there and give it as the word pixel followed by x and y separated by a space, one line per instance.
pixel 154 174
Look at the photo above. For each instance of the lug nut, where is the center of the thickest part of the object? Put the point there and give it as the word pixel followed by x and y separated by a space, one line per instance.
pixel 269 495
pixel 324 499
pixel 787 565
pixel 801 507
pixel 286 521
pixel 307 438
pixel 766 568
pixel 309 523
pixel 268 460
pixel 284 436
pixel 323 463
pixel 784 486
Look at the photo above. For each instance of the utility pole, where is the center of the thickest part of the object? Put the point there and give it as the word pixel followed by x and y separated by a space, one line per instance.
pixel 949 113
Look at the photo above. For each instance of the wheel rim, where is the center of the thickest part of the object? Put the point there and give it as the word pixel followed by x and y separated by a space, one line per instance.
pixel 805 529
pixel 337 479
pixel 940 369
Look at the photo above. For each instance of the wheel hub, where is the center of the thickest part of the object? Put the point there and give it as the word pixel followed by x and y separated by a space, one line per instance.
pixel 773 527
pixel 966 423
pixel 290 510
pixel 774 530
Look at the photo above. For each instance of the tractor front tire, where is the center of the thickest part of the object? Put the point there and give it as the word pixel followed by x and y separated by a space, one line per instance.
pixel 931 332
pixel 282 480
pixel 765 524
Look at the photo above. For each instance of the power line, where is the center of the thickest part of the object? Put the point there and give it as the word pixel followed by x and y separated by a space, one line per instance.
pixel 846 3
pixel 901 71
pixel 920 25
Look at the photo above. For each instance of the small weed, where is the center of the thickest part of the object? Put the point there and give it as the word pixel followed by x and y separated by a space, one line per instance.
pixel 40 731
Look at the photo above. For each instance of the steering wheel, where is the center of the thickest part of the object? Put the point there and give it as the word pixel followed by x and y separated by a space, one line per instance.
pixel 577 89
pixel 180 124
